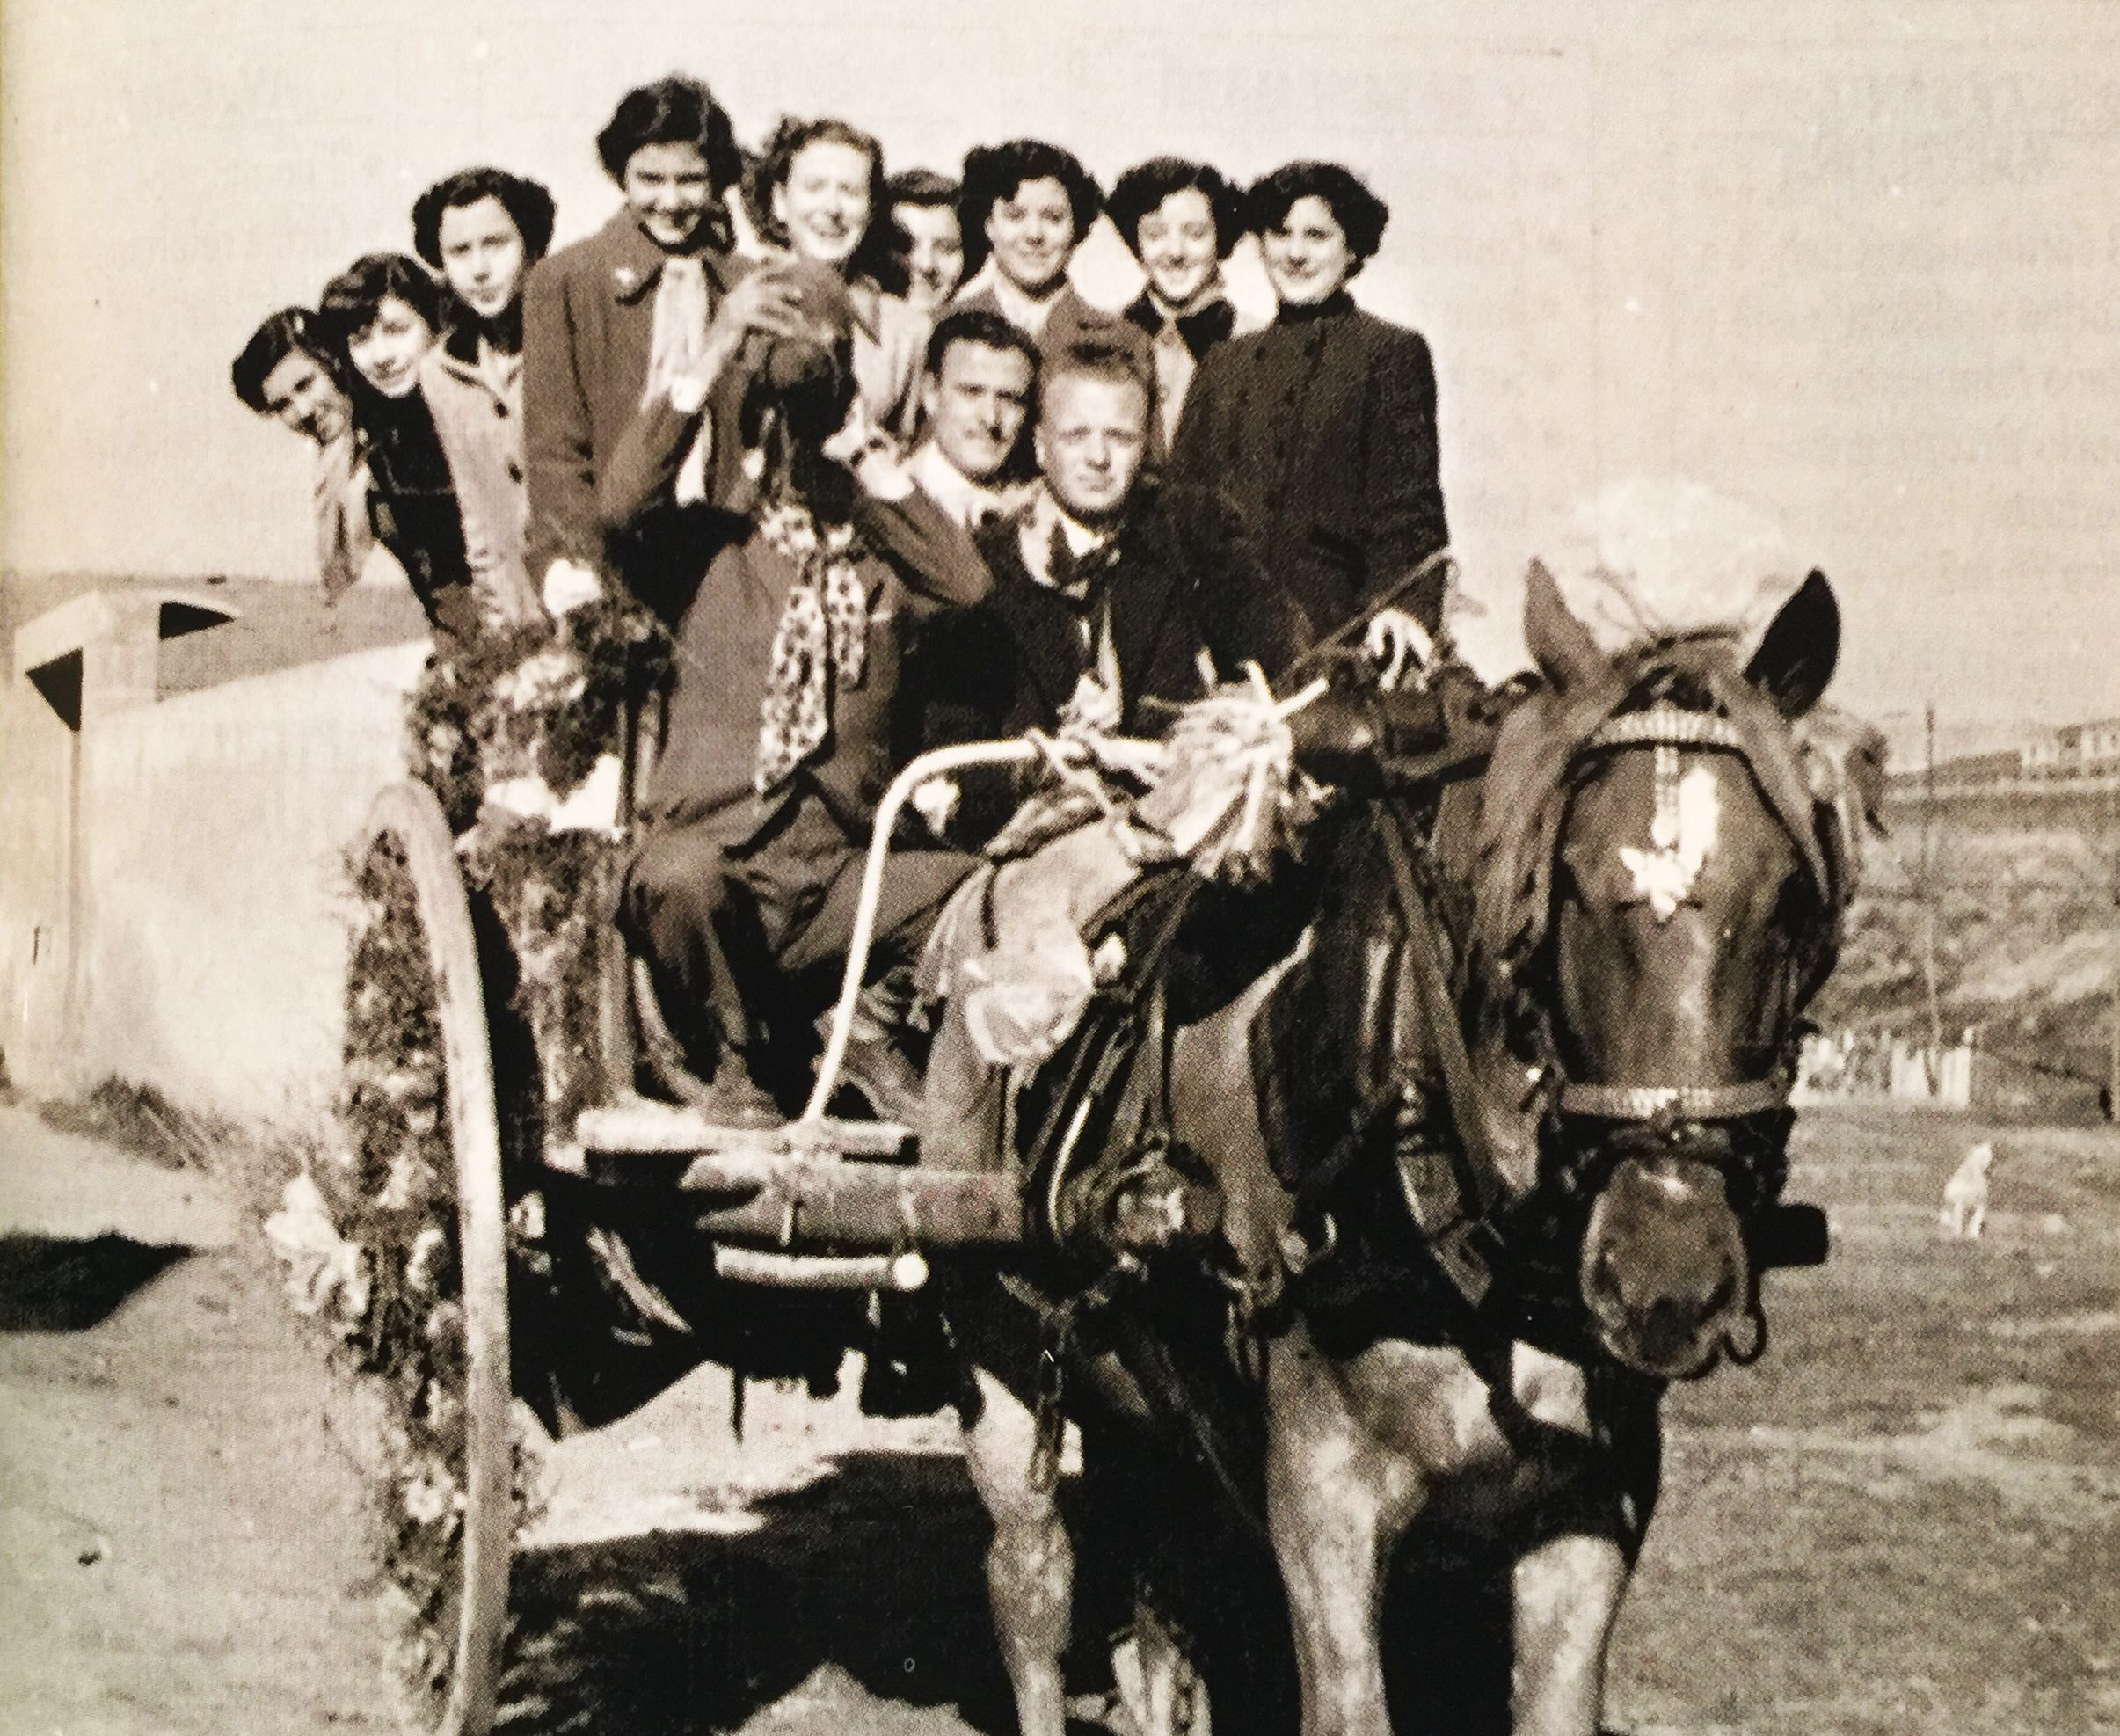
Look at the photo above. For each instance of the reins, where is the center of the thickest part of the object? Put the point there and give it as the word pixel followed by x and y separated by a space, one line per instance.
pixel 1457 1189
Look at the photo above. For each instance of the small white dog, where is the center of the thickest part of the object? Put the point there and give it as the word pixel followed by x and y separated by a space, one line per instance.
pixel 1965 1196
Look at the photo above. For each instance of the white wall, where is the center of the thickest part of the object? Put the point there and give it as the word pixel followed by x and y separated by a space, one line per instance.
pixel 213 933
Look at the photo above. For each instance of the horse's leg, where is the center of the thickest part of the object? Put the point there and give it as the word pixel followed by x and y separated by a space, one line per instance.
pixel 1566 1588
pixel 1030 1564
pixel 1335 1504
pixel 1567 1592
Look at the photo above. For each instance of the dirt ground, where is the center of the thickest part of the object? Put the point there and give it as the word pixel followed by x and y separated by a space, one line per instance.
pixel 1904 1519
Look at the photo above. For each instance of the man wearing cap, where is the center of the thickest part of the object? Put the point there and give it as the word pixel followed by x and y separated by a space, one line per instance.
pixel 782 716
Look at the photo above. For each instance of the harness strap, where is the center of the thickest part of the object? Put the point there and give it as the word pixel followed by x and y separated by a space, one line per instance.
pixel 1678 1102
pixel 1479 1173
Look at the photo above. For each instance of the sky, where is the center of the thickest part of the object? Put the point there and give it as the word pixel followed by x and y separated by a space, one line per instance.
pixel 1852 263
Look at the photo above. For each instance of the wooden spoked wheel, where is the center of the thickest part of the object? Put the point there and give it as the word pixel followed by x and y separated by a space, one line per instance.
pixel 422 1118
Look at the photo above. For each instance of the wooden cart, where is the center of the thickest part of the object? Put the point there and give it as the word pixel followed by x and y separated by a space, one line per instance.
pixel 818 1204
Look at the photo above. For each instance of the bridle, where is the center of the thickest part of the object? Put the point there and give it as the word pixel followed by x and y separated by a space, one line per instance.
pixel 1476 1224
pixel 1668 1104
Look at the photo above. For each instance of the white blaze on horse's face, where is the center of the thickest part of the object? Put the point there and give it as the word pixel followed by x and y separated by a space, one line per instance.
pixel 1682 834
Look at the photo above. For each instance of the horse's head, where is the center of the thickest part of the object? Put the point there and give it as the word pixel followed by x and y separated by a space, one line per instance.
pixel 1689 919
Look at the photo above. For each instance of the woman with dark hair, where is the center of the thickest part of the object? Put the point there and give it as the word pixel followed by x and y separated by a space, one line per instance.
pixel 653 303
pixel 382 313
pixel 929 242
pixel 1321 427
pixel 818 191
pixel 1025 209
pixel 483 230
pixel 286 372
pixel 1181 219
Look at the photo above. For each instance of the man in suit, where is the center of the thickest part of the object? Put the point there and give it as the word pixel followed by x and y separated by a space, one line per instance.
pixel 1113 591
pixel 975 395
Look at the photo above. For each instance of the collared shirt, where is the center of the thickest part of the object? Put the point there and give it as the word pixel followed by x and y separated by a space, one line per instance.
pixel 967 503
pixel 340 491
pixel 1044 516
pixel 1027 313
pixel 1178 341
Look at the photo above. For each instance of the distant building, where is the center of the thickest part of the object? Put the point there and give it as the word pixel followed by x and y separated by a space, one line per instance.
pixel 2074 750
pixel 1974 768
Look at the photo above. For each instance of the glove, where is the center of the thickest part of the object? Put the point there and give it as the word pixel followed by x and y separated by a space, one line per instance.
pixel 570 586
pixel 1401 645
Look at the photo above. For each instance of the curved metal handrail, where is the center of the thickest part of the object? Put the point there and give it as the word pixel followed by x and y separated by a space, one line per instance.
pixel 938 762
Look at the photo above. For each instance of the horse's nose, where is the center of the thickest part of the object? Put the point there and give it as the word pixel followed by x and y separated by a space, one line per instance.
pixel 1668 1329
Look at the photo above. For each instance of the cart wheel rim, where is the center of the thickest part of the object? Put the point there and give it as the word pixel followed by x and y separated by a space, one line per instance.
pixel 407 816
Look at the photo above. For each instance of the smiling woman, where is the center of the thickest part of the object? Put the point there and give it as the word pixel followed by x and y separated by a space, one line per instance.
pixel 381 314
pixel 1025 208
pixel 630 312
pixel 1322 427
pixel 287 371
pixel 483 230
pixel 817 191
pixel 1181 219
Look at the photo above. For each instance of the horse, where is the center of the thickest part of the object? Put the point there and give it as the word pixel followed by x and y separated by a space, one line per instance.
pixel 1522 1171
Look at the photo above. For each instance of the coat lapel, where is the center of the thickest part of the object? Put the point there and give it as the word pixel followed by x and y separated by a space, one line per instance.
pixel 635 262
pixel 1039 623
pixel 1143 591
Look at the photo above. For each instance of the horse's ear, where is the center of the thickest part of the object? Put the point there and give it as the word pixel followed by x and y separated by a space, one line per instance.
pixel 1796 657
pixel 1559 644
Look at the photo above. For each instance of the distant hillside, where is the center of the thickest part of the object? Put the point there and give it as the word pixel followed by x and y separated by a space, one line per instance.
pixel 2028 931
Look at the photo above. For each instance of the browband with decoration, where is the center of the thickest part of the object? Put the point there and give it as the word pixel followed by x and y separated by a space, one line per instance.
pixel 1689 1103
pixel 1667 725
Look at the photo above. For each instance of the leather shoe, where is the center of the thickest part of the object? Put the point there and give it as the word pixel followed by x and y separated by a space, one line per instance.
pixel 734 1098
pixel 877 1067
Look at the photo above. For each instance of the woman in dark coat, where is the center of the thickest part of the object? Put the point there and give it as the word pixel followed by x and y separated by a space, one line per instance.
pixel 1321 426
pixel 1181 219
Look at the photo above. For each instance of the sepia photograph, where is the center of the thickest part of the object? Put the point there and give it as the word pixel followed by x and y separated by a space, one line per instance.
pixel 1135 866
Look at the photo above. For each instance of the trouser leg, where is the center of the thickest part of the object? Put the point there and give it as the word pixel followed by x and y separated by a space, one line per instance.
pixel 675 910
pixel 962 1100
pixel 916 883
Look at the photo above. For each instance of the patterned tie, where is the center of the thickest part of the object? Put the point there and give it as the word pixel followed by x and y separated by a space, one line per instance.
pixel 823 638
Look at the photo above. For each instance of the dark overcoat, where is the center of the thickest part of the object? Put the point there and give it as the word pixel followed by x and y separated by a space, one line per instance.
pixel 1322 429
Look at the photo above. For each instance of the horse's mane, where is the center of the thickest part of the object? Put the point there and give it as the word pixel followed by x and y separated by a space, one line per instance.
pixel 1525 795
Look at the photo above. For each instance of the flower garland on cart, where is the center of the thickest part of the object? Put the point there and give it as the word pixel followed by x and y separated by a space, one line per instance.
pixel 520 738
